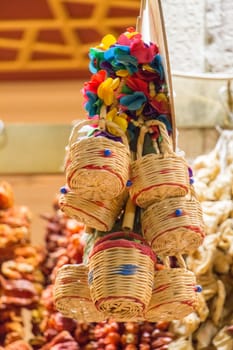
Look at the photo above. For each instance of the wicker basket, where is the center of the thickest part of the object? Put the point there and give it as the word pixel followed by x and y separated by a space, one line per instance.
pixel 121 269
pixel 98 167
pixel 157 176
pixel 99 215
pixel 72 294
pixel 174 225
pixel 174 295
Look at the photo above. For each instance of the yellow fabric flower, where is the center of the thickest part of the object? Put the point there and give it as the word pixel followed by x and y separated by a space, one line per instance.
pixel 106 42
pixel 118 118
pixel 122 73
pixel 130 34
pixel 106 89
pixel 148 68
pixel 161 97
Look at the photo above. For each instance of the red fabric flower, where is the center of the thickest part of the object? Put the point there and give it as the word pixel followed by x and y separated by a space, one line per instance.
pixel 142 52
pixel 96 80
pixel 155 133
pixel 161 105
pixel 137 85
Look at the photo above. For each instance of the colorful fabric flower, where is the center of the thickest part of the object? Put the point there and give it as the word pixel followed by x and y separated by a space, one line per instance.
pixel 133 101
pixel 93 84
pixel 92 104
pixel 120 119
pixel 120 59
pixel 96 57
pixel 136 84
pixel 126 37
pixel 157 65
pixel 160 103
pixel 105 65
pixel 106 90
pixel 129 72
pixel 143 52
pixel 107 41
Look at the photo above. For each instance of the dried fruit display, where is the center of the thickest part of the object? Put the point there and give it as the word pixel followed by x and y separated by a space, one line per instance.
pixel 211 326
pixel 21 279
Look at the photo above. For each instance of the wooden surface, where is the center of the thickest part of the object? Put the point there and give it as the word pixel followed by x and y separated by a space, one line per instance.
pixel 47 39
pixel 38 193
pixel 41 102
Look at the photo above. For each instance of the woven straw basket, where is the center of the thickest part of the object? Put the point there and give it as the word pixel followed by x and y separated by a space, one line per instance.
pixel 98 167
pixel 72 295
pixel 99 215
pixel 173 296
pixel 174 225
pixel 121 269
pixel 157 176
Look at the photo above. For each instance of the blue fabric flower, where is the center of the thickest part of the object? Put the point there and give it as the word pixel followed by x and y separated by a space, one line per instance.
pixel 157 65
pixel 120 58
pixel 112 51
pixel 93 104
pixel 133 101
pixel 165 119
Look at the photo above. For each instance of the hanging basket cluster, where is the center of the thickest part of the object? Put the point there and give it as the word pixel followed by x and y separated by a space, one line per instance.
pixel 126 160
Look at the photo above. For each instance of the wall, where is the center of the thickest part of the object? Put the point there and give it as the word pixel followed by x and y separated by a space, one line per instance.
pixel 200 35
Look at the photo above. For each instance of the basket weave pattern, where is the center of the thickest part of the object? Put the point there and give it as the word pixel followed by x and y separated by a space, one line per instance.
pixel 72 294
pixel 97 167
pixel 174 225
pixel 100 215
pixel 93 175
pixel 121 278
pixel 158 176
pixel 173 295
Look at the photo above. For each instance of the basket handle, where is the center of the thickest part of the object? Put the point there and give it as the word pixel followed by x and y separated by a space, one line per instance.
pixel 165 144
pixel 102 123
pixel 180 261
pixel 74 132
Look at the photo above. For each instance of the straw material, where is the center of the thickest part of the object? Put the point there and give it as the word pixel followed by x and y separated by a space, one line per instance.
pixel 99 215
pixel 158 176
pixel 72 295
pixel 173 295
pixel 174 225
pixel 121 277
pixel 98 167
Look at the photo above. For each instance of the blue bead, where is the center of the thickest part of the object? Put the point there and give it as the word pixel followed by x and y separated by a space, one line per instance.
pixel 198 289
pixel 107 152
pixel 129 183
pixel 191 181
pixel 63 190
pixel 178 212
